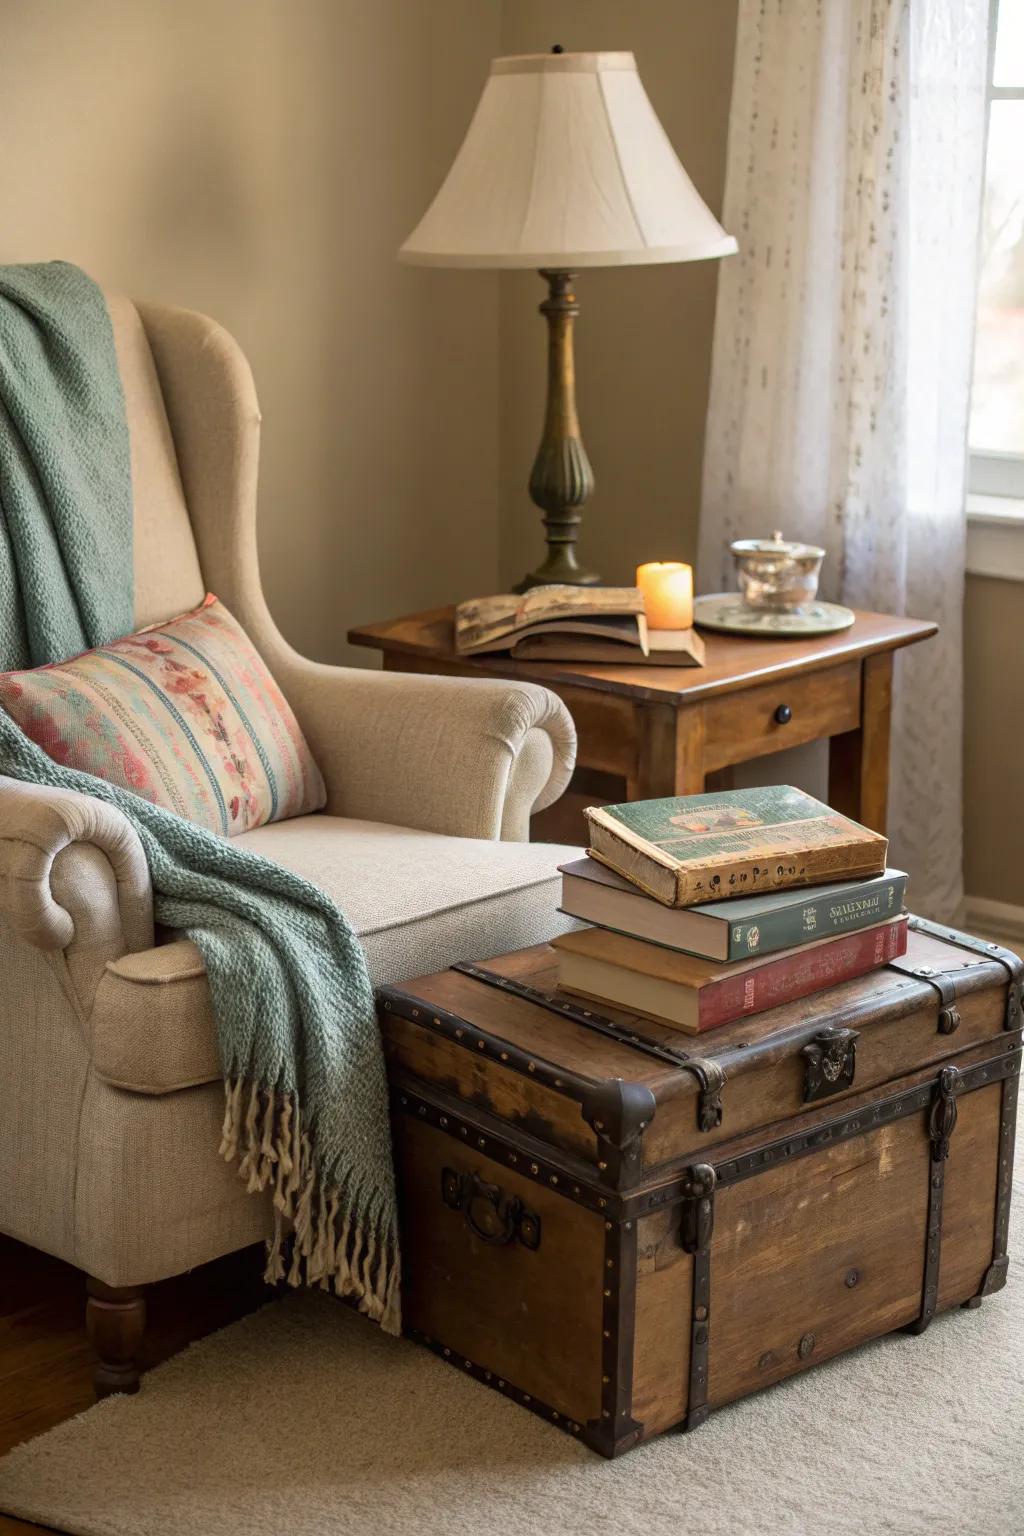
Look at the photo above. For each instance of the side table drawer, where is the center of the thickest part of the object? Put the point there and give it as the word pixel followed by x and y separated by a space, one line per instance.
pixel 781 714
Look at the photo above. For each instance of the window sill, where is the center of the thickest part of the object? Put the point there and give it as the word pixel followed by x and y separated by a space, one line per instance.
pixel 995 537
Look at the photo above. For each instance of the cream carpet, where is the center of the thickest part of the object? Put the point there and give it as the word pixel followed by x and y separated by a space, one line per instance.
pixel 303 1419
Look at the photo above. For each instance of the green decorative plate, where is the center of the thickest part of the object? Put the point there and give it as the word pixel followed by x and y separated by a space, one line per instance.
pixel 727 611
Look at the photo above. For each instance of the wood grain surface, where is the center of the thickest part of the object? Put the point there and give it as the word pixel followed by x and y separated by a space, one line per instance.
pixel 733 661
pixel 46 1362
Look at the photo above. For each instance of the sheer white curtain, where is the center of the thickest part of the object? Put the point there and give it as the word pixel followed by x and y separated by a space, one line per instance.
pixel 843 342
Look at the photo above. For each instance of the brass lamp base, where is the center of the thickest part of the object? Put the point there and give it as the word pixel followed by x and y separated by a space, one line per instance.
pixel 561 478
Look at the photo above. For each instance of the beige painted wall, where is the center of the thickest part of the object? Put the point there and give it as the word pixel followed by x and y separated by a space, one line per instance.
pixel 644 334
pixel 994 741
pixel 262 160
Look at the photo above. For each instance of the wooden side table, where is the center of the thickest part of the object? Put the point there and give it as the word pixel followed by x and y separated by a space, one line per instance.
pixel 651 731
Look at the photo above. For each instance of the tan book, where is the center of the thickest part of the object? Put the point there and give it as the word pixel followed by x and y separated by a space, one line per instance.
pixel 693 994
pixel 688 850
pixel 666 648
pixel 497 623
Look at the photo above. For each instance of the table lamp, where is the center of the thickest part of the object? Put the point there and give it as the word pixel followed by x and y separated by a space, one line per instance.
pixel 564 165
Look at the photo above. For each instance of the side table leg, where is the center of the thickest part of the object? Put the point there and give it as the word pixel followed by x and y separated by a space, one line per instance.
pixel 858 765
pixel 669 752
pixel 690 776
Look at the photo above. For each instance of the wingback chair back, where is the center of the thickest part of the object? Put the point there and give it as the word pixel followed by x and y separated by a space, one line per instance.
pixel 194 424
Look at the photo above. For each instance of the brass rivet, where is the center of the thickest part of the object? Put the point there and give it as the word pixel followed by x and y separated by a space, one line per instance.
pixel 851 1278
pixel 534 1168
pixel 607 1293
pixel 527 1398
pixel 447 1351
pixel 480 1044
pixel 606 1379
pixel 700 1313
pixel 459 1034
pixel 598 1125
pixel 415 1013
pixel 553 1179
pixel 609 1264
pixel 468 1364
pixel 605 1414
pixel 443 1121
pixel 554 1415
pixel 530 1067
pixel 501 1382
pixel 805 1346
pixel 602 1166
pixel 607 1226
pixel 607 1333
pixel 504 1055
pixel 602 1203
pixel 512 1158
pixel 463 1131
pixel 481 1142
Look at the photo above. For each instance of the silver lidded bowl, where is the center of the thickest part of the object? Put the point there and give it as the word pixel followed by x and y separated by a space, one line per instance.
pixel 776 574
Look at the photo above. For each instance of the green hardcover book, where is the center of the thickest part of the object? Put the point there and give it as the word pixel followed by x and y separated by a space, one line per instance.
pixel 730 930
pixel 692 849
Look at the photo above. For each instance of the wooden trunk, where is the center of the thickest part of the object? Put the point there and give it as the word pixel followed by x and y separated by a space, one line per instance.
pixel 622 1228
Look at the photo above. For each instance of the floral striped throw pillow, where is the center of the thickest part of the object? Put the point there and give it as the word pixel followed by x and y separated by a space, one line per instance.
pixel 185 714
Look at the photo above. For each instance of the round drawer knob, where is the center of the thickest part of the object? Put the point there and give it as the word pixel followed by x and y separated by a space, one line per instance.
pixel 783 715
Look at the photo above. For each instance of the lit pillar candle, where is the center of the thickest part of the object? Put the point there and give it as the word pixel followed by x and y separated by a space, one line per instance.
pixel 667 587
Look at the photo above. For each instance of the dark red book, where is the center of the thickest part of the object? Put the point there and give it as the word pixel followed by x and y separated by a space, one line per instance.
pixel 694 994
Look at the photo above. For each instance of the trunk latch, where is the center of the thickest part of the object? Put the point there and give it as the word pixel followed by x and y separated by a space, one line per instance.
pixel 830 1060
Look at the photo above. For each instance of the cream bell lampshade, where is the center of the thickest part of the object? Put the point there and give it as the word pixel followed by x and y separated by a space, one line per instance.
pixel 564 165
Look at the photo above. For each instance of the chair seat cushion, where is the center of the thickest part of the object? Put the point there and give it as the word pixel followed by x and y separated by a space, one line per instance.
pixel 419 902
pixel 184 714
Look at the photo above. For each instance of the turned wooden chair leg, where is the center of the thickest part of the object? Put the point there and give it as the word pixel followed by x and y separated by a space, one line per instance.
pixel 115 1320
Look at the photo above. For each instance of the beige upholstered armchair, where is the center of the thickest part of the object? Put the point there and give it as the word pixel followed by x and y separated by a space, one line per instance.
pixel 112 1091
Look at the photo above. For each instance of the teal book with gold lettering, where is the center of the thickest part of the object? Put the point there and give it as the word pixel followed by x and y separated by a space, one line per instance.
pixel 730 930
pixel 692 849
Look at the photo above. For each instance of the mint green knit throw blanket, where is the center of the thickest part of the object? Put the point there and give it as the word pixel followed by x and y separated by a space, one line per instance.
pixel 306 1103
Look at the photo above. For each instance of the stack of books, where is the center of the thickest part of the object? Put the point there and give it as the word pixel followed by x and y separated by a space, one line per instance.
pixel 708 908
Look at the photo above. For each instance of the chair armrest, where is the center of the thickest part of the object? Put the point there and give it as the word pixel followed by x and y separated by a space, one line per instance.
pixel 73 878
pixel 153 1028
pixel 470 757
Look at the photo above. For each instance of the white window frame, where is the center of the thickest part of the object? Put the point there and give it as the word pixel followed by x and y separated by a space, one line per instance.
pixel 995 501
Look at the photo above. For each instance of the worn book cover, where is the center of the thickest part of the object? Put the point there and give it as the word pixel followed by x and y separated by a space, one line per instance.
pixel 691 849
pixel 495 623
pixel 694 994
pixel 736 929
pixel 666 648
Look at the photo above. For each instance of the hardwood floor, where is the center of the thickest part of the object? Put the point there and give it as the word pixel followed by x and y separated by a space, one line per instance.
pixel 45 1359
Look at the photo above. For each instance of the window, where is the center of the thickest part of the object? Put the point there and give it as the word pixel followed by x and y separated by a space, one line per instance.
pixel 997 400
